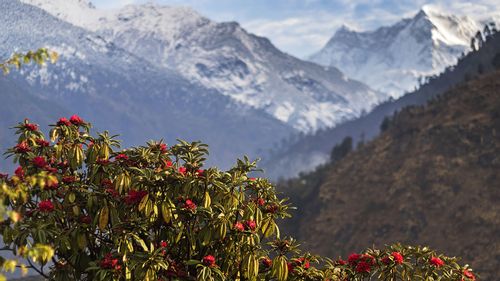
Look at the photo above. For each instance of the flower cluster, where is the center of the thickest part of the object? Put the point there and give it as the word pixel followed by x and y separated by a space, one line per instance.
pixel 109 262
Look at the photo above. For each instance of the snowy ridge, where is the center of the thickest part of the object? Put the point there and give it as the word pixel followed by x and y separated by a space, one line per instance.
pixel 224 57
pixel 120 91
pixel 392 59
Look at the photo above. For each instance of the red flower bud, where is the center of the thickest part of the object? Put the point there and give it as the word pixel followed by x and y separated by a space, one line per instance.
pixel 42 142
pixel 251 225
pixel 437 262
pixel 238 226
pixel 63 122
pixel 134 196
pixel 46 206
pixel 163 148
pixel 182 170
pixel 190 205
pixel 39 162
pixel 19 172
pixel 261 202
pixel 163 244
pixel 340 262
pixel 398 258
pixel 108 262
pixel 69 179
pixel 363 267
pixel 469 275
pixel 76 120
pixel 31 127
pixel 209 260
pixel 121 156
pixel 22 147
pixel 267 262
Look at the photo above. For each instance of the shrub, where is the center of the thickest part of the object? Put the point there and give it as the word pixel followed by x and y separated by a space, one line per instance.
pixel 155 212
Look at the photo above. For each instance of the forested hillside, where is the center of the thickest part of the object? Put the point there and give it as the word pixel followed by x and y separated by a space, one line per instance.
pixel 306 153
pixel 430 178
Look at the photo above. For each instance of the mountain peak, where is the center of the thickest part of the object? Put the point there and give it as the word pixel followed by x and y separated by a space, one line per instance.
pixel 429 10
pixel 392 58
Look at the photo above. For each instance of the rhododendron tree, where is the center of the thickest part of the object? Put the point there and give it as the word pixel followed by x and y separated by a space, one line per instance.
pixel 154 212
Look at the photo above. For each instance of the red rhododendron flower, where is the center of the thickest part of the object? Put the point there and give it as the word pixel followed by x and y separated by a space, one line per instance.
pixel 363 267
pixel 190 205
pixel 251 225
pixel 436 261
pixel 19 172
pixel 398 258
pixel 69 179
pixel 290 266
pixel 163 148
pixel 42 142
pixel 261 201
pixel 134 196
pixel 469 274
pixel 353 258
pixel 121 156
pixel 63 122
pixel 303 262
pixel 31 127
pixel 267 262
pixel 107 183
pixel 169 164
pixel 340 262
pixel 209 260
pixel 182 170
pixel 39 161
pixel 200 172
pixel 163 244
pixel 109 262
pixel 76 120
pixel 45 206
pixel 22 147
pixel 239 226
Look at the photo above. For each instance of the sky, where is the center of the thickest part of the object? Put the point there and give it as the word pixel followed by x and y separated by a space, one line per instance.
pixel 302 27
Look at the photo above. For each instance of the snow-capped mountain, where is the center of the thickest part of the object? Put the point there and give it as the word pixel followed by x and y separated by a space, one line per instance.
pixel 226 58
pixel 124 93
pixel 392 59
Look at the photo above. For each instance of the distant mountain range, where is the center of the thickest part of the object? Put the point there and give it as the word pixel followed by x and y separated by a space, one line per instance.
pixel 305 153
pixel 225 58
pixel 393 59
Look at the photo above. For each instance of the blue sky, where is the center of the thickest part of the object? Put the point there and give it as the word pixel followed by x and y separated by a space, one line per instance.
pixel 301 27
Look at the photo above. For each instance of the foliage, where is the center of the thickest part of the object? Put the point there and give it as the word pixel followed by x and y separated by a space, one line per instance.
pixel 39 57
pixel 154 213
pixel 37 251
pixel 339 151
